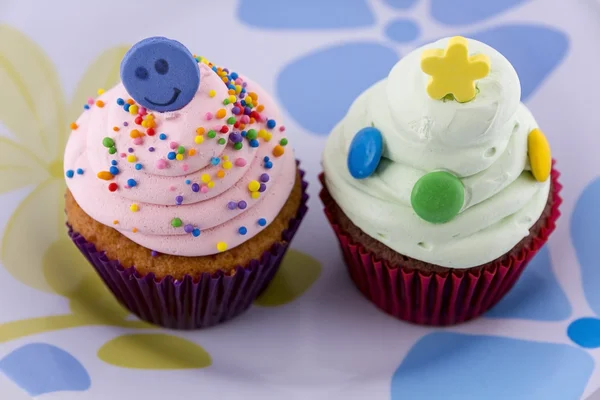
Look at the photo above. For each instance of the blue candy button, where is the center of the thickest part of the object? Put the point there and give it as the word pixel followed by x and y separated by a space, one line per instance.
pixel 365 152
pixel 160 74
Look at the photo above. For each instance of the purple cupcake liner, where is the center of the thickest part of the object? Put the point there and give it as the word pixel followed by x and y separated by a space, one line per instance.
pixel 190 303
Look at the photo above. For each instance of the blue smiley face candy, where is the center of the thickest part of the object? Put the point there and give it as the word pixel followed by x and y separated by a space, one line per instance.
pixel 160 74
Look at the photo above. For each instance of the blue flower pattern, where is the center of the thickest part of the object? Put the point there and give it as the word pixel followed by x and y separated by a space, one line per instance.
pixel 499 367
pixel 40 368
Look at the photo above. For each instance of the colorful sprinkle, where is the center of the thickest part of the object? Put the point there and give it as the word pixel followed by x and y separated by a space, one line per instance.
pixel 251 134
pixel 188 228
pixel 171 155
pixel 214 161
pixel 242 230
pixel 70 173
pixel 253 186
pixel 232 205
pixel 212 93
pixel 105 175
pixel 120 101
pixel 211 134
pixel 268 165
pixel 278 151
pixel 196 232
pixel 238 146
pixel 222 141
pixel 271 123
pixel 210 184
pixel 255 195
pixel 254 143
pixel 195 187
pixel 150 149
pixel 73 126
pixel 138 166
pixel 113 187
pixel 221 246
pixel 199 139
pixel 113 170
pixel 131 182
pixel 79 171
pixel 240 162
pixel 176 222
pixel 179 157
pixel 154 253
pixel 108 142
pixel 100 103
pixel 131 158
pixel 283 142
pixel 220 174
pixel 227 165
pixel 220 113
pixel 262 222
pixel 242 205
pixel 134 230
pixel 179 200
pixel 134 207
pixel 161 163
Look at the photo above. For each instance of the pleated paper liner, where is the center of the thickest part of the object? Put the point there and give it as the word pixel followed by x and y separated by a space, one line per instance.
pixel 431 298
pixel 192 302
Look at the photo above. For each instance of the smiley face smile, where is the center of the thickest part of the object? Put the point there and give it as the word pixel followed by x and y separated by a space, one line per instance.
pixel 176 93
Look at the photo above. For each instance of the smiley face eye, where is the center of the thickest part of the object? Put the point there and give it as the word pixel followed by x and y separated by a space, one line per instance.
pixel 141 73
pixel 161 66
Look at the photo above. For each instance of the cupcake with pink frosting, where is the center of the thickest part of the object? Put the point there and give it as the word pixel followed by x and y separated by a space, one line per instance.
pixel 183 192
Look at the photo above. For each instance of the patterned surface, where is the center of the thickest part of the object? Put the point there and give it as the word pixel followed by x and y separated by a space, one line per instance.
pixel 312 336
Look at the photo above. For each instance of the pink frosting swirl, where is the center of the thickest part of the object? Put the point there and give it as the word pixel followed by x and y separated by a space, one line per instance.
pixel 174 189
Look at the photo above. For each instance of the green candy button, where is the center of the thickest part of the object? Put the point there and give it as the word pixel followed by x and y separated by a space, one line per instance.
pixel 437 197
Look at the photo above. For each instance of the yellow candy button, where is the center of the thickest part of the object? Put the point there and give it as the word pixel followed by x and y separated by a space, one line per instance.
pixel 540 157
pixel 453 71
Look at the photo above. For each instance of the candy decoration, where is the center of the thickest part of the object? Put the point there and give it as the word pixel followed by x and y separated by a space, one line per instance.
pixel 365 152
pixel 437 197
pixel 221 246
pixel 453 71
pixel 540 157
pixel 160 74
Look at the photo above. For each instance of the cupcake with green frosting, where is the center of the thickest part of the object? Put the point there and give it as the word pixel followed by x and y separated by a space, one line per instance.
pixel 439 184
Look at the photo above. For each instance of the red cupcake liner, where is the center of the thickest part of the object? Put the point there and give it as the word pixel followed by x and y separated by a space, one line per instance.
pixel 430 298
pixel 191 303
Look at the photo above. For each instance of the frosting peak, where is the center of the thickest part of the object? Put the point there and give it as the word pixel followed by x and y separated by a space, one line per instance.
pixel 191 181
pixel 482 142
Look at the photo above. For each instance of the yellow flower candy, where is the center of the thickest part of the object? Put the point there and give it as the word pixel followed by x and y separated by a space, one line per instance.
pixel 453 71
